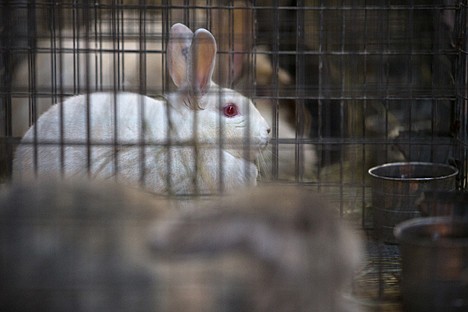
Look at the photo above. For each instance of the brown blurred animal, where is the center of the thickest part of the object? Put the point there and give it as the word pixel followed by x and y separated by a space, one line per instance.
pixel 83 246
pixel 76 246
pixel 276 248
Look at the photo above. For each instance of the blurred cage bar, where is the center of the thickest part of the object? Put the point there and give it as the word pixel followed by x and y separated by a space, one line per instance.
pixel 346 85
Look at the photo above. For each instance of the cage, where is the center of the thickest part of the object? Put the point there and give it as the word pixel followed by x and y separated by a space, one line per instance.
pixel 343 85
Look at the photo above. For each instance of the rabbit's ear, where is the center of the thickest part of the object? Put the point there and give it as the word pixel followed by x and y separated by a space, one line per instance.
pixel 179 54
pixel 203 60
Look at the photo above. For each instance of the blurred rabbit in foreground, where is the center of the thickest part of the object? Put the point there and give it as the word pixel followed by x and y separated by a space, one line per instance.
pixel 276 248
pixel 76 246
pixel 82 246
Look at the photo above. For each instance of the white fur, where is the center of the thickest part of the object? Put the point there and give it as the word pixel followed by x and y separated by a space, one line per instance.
pixel 107 70
pixel 189 148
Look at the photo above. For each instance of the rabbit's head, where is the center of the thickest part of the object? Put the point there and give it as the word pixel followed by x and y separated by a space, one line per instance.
pixel 219 115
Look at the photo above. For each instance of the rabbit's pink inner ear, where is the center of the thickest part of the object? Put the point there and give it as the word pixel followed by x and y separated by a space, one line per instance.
pixel 179 54
pixel 203 54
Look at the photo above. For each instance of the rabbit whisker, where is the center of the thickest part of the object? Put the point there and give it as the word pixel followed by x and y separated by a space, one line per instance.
pixel 264 163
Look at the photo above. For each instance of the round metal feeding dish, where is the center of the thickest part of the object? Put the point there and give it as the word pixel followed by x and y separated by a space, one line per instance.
pixel 444 203
pixel 434 254
pixel 396 188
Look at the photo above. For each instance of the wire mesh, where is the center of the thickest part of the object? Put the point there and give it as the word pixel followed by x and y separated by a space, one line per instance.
pixel 344 85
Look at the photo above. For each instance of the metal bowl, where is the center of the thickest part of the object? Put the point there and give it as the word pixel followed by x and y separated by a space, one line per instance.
pixel 443 203
pixel 396 187
pixel 434 253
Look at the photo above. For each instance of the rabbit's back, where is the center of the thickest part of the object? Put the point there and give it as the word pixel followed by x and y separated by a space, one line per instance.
pixel 85 131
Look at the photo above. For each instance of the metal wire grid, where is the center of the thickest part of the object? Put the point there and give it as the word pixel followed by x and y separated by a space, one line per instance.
pixel 462 87
pixel 359 70
pixel 342 70
pixel 95 47
pixel 377 285
pixel 367 84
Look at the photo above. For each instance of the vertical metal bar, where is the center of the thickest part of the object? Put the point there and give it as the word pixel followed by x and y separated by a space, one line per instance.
pixel 187 14
pixel 410 65
pixel 76 52
pixel 142 86
pixel 363 125
pixel 300 90
pixel 231 44
pixel 247 22
pixel 275 85
pixel 461 74
pixel 253 61
pixel 321 86
pixel 122 34
pixel 231 74
pixel 219 25
pixel 7 9
pixel 385 26
pixel 167 18
pixel 436 71
pixel 53 54
pixel 32 35
pixel 464 82
pixel 99 57
pixel 116 80
pixel 61 10
pixel 85 15
pixel 57 61
pixel 342 103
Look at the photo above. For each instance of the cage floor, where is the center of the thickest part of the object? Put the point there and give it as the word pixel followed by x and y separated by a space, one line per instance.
pixel 376 285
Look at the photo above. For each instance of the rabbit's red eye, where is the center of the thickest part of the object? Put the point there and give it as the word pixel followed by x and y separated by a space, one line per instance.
pixel 231 110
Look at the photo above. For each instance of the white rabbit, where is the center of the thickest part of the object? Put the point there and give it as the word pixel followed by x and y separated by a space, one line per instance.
pixel 200 139
pixel 121 70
